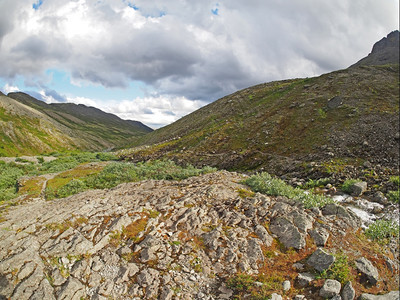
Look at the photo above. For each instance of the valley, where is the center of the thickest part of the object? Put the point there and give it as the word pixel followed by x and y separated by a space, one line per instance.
pixel 284 190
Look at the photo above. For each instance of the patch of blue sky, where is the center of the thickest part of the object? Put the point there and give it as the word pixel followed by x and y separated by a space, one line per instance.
pixel 61 82
pixel 132 5
pixel 215 10
pixel 37 4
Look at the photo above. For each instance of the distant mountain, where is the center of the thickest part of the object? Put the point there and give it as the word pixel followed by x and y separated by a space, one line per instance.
pixel 385 51
pixel 347 117
pixel 30 126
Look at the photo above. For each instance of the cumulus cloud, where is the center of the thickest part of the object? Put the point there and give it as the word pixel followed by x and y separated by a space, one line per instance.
pixel 10 88
pixel 154 111
pixel 194 50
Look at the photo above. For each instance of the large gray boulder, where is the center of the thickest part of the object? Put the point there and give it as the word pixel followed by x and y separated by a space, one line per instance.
pixel 395 295
pixel 320 260
pixel 287 233
pixel 358 188
pixel 331 288
pixel 368 270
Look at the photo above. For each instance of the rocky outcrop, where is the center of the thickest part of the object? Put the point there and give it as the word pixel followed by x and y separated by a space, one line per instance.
pixel 159 240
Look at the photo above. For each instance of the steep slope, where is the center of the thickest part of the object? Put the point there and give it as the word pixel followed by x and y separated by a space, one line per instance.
pixel 30 126
pixel 385 51
pixel 349 116
pixel 24 130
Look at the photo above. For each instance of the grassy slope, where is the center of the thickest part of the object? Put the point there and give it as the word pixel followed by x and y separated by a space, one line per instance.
pixel 25 131
pixel 284 119
pixel 59 127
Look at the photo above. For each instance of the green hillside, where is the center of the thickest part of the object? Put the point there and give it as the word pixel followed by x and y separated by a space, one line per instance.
pixel 29 126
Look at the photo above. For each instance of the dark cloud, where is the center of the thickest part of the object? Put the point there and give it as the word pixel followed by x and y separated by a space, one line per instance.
pixel 199 50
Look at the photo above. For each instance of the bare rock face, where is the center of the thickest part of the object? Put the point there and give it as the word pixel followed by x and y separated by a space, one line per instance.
pixel 385 51
pixel 151 239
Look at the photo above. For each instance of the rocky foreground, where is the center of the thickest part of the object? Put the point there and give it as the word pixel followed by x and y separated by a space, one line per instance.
pixel 191 239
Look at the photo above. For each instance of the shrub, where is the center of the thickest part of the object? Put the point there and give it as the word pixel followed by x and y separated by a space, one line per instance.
pixel 393 196
pixel 266 184
pixel 317 183
pixel 395 180
pixel 73 187
pixel 241 282
pixel 382 231
pixel 340 270
pixel 347 185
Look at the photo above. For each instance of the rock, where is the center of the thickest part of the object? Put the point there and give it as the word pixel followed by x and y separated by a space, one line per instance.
pixel 287 233
pixel 334 102
pixel 166 293
pixel 348 292
pixel 286 285
pixel 320 260
pixel 395 295
pixel 380 198
pixel 263 235
pixel 330 288
pixel 337 297
pixel 304 279
pixel 368 270
pixel 320 236
pixel 72 289
pixel 299 297
pixel 358 188
pixel 276 296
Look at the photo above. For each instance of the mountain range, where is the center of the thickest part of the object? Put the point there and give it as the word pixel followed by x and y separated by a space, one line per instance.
pixel 29 126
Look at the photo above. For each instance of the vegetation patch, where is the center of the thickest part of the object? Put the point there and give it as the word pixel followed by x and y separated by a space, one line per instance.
pixel 382 231
pixel 340 270
pixel 269 185
pixel 113 174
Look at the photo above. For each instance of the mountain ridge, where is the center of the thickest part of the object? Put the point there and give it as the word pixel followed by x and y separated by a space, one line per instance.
pixel 344 118
pixel 60 127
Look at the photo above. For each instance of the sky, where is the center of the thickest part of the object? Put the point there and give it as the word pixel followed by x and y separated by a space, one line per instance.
pixel 156 61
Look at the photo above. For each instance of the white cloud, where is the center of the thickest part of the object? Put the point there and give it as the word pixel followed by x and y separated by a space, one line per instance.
pixel 154 111
pixel 84 100
pixel 9 88
pixel 184 50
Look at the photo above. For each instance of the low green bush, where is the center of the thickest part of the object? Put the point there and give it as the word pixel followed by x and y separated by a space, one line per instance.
pixel 393 196
pixel 395 180
pixel 340 270
pixel 269 185
pixel 317 183
pixel 73 187
pixel 382 231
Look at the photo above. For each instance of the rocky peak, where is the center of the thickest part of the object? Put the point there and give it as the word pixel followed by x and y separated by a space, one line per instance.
pixel 385 51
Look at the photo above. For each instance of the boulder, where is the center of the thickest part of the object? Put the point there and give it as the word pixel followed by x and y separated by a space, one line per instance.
pixel 331 288
pixel 395 295
pixel 287 233
pixel 320 236
pixel 368 270
pixel 358 188
pixel 304 279
pixel 348 292
pixel 320 260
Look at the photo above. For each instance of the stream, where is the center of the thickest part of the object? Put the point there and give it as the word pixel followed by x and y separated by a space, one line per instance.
pixel 368 211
